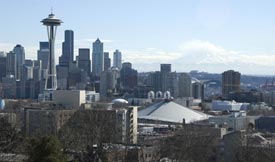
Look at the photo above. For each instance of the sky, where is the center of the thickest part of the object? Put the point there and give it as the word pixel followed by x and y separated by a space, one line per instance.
pixel 205 35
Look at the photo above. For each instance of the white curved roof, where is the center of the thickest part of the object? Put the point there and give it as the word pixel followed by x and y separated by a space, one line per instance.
pixel 120 100
pixel 172 112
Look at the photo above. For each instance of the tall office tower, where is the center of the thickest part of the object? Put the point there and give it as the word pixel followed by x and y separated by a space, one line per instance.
pixel 27 70
pixel 117 59
pixel 165 68
pixel 43 54
pixel 9 86
pixel 170 83
pixel 185 85
pixel 51 22
pixel 231 81
pixel 84 61
pixel 155 80
pixel 67 56
pixel 3 65
pixel 20 59
pixel 128 77
pixel 198 90
pixel 97 58
pixel 37 70
pixel 11 64
pixel 108 82
pixel 107 61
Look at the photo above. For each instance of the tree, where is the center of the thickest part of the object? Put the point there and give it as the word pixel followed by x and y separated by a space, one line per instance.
pixel 87 127
pixel 8 136
pixel 45 149
pixel 193 143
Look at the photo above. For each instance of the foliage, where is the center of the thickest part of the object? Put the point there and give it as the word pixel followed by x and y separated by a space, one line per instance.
pixel 45 149
pixel 85 128
pixel 192 143
pixel 8 136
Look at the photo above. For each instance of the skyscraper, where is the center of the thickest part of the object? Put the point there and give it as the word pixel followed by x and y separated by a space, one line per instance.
pixel 43 54
pixel 108 82
pixel 165 68
pixel 198 90
pixel 67 56
pixel 117 59
pixel 11 64
pixel 20 59
pixel 107 61
pixel 84 61
pixel 97 58
pixel 185 85
pixel 128 77
pixel 3 65
pixel 231 81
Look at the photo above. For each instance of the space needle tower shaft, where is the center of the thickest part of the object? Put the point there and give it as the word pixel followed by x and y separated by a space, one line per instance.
pixel 51 22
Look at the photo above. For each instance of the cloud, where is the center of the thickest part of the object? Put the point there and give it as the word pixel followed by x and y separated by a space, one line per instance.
pixel 203 52
pixel 201 55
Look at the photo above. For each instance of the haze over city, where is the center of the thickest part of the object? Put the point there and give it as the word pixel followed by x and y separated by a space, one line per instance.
pixel 211 36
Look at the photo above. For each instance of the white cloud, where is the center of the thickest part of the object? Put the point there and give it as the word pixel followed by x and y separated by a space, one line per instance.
pixel 204 56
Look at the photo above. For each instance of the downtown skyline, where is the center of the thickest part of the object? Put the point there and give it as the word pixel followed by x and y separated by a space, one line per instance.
pixel 211 36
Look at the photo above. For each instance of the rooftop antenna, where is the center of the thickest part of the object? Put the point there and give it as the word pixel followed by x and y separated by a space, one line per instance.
pixel 51 10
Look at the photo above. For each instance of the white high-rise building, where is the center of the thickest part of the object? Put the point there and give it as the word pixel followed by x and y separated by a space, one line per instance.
pixel 117 59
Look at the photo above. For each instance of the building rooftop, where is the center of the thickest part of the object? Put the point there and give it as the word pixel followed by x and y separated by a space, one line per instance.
pixel 171 112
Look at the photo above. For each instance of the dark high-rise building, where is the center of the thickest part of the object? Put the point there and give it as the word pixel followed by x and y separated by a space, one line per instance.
pixel 67 56
pixel 155 80
pixel 97 58
pixel 231 81
pixel 107 61
pixel 84 61
pixel 43 54
pixel 3 65
pixel 165 68
pixel 117 59
pixel 128 77
pixel 185 85
pixel 11 64
pixel 20 59
pixel 198 90
pixel 164 81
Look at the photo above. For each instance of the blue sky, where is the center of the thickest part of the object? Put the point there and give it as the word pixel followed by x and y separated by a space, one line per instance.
pixel 206 35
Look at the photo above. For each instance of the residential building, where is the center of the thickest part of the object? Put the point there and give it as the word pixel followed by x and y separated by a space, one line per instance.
pixel 185 85
pixel 46 122
pixel 231 82
pixel 108 82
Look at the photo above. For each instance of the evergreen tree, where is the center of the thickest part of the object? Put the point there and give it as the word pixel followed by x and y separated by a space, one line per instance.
pixel 45 149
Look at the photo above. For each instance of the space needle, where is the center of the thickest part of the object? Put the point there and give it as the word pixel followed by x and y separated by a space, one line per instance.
pixel 51 22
